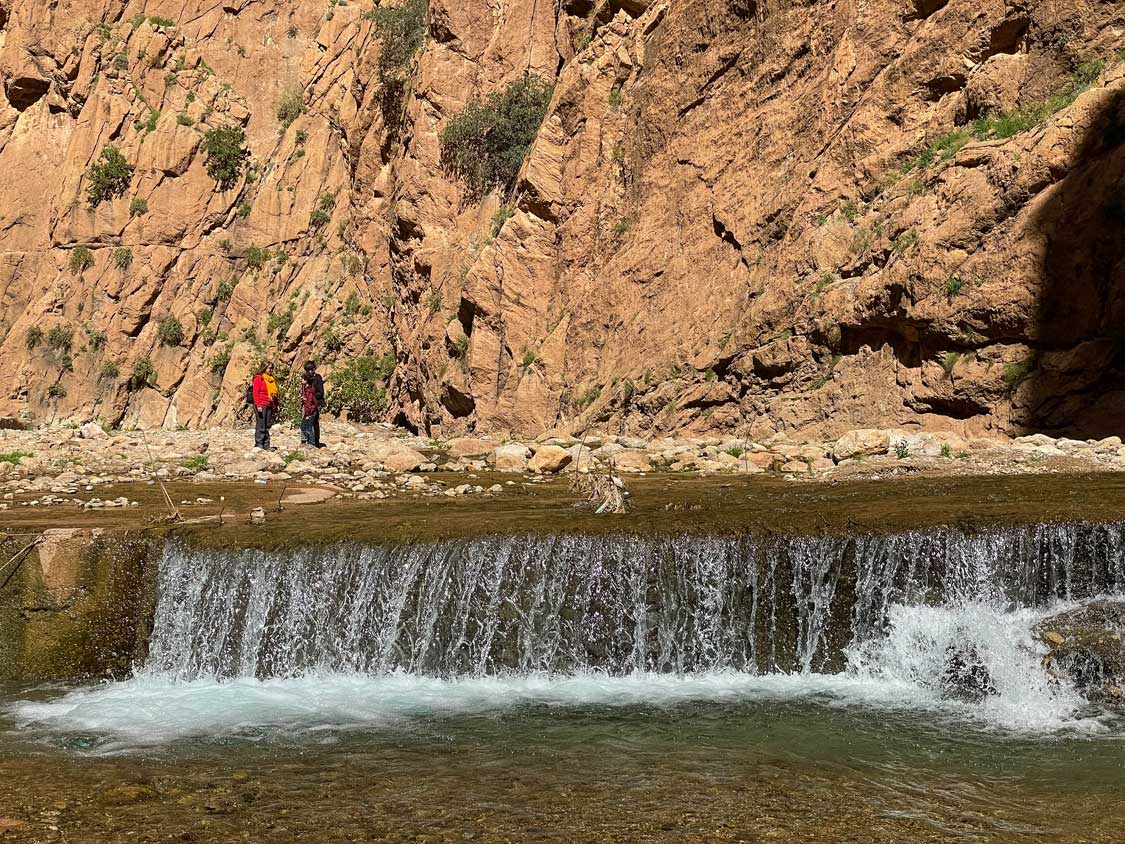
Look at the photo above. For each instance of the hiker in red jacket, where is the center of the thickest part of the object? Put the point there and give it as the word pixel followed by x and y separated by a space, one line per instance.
pixel 265 406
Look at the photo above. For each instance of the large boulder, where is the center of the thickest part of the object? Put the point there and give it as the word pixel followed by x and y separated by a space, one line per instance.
pixel 469 447
pixel 632 460
pixel 395 456
pixel 550 459
pixel 511 457
pixel 861 443
pixel 92 431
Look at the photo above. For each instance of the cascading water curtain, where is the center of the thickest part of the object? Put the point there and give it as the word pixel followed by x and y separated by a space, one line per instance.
pixel 569 604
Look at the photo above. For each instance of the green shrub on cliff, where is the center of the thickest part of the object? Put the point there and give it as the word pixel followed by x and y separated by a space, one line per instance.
pixel 81 258
pixel 60 338
pixel 144 374
pixel 401 31
pixel 169 331
pixel 109 177
pixel 485 145
pixel 357 388
pixel 226 155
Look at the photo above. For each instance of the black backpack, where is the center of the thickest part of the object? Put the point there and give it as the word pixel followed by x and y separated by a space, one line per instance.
pixel 250 394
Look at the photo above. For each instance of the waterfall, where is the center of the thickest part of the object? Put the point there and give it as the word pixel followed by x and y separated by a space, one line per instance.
pixel 372 637
pixel 616 605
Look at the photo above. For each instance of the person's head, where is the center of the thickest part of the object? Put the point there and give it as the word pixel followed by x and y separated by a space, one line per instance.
pixel 266 367
pixel 310 366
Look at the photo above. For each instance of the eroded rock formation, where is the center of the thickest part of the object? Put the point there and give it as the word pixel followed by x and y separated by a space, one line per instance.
pixel 739 215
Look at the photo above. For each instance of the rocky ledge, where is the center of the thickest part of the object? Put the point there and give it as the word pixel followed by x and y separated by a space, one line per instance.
pixel 1087 645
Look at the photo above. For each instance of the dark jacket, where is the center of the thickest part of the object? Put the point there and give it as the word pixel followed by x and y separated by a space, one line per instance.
pixel 318 387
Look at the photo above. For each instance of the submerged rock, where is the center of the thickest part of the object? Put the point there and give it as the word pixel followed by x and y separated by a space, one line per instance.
pixel 965 676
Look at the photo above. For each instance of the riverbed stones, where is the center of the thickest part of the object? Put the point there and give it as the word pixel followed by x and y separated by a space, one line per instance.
pixel 396 457
pixel 632 460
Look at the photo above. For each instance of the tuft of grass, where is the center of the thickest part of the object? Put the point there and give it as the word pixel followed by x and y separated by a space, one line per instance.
pixel 123 257
pixel 949 361
pixel 138 207
pixel 197 463
pixel 256 257
pixel 33 337
pixel 902 450
pixel 226 155
pixel 401 31
pixel 502 215
pixel 14 457
pixel 109 371
pixel 1016 373
pixel 97 339
pixel 588 397
pixel 56 391
pixel 220 361
pixel 904 241
pixel 946 451
pixel 291 106
pixel 60 338
pixel 953 286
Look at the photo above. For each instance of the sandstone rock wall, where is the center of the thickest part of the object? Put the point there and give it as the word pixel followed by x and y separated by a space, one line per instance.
pixel 738 216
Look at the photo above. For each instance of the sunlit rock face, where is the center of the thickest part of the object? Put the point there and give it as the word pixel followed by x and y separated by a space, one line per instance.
pixel 736 216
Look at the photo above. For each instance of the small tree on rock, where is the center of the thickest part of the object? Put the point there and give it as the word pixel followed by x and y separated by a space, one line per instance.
pixel 226 155
pixel 109 178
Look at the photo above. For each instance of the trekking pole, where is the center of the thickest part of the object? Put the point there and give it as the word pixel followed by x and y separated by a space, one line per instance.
pixel 167 498
pixel 18 559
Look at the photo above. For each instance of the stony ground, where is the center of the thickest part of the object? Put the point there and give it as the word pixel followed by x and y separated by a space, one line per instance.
pixel 68 465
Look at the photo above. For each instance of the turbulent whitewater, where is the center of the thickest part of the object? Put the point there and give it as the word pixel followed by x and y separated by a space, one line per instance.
pixel 350 635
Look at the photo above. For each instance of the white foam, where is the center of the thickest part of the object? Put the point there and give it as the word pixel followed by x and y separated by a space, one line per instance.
pixel 917 648
pixel 146 711
pixel 898 672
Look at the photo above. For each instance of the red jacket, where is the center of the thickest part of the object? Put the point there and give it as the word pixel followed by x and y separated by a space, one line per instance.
pixel 309 403
pixel 262 397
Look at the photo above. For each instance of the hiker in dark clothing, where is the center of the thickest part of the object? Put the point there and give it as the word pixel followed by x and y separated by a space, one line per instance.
pixel 264 394
pixel 310 409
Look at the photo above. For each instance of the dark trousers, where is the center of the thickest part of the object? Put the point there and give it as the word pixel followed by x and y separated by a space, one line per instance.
pixel 310 429
pixel 263 419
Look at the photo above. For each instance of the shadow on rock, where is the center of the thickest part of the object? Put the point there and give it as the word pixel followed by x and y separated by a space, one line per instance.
pixel 1073 382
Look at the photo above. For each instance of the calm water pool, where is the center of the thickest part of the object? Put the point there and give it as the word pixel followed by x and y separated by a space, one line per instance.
pixel 746 768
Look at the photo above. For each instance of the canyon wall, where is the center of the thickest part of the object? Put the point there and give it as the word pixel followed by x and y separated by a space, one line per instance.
pixel 739 216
